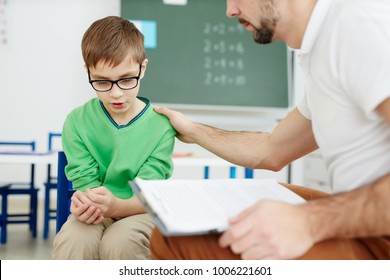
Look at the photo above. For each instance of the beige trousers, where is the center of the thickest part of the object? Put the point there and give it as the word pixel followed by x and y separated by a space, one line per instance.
pixel 122 239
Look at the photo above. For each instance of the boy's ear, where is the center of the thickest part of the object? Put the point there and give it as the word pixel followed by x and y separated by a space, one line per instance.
pixel 143 67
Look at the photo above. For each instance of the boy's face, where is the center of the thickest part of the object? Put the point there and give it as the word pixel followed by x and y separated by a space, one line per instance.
pixel 119 102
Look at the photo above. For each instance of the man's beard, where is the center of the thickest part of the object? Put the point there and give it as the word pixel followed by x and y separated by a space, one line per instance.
pixel 265 33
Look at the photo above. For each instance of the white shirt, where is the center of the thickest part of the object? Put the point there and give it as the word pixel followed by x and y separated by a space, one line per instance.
pixel 345 56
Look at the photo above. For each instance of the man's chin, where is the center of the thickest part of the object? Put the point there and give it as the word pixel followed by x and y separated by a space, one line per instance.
pixel 262 38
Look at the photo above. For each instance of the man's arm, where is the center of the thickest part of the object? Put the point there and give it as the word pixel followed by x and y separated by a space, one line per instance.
pixel 277 230
pixel 384 110
pixel 367 208
pixel 291 139
pixel 363 212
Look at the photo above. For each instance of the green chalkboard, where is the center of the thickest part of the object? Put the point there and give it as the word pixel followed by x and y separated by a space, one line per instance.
pixel 198 56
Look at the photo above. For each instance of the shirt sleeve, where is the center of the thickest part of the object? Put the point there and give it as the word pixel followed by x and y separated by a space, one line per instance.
pixel 82 169
pixel 365 57
pixel 304 108
pixel 159 165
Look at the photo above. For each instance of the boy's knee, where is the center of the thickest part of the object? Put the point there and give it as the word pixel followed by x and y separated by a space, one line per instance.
pixel 76 241
pixel 74 247
pixel 131 246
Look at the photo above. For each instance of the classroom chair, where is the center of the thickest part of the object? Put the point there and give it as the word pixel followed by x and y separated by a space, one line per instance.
pixel 49 213
pixel 64 192
pixel 21 187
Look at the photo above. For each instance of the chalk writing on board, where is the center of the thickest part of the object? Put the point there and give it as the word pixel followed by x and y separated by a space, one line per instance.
pixel 3 22
pixel 223 59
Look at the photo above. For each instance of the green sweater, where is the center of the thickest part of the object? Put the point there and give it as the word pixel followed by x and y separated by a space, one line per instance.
pixel 101 153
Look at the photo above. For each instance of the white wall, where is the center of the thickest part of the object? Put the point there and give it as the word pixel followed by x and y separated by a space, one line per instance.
pixel 41 68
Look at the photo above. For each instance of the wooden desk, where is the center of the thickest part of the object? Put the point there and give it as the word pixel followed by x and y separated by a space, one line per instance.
pixel 207 162
pixel 28 158
pixel 201 161
pixel 8 158
pixel 51 158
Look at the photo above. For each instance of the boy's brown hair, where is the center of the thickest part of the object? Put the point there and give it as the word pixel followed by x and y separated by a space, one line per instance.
pixel 111 40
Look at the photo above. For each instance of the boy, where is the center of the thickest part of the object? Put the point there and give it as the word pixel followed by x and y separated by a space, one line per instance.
pixel 108 141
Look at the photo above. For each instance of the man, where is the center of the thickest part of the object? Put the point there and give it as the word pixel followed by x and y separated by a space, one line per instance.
pixel 344 53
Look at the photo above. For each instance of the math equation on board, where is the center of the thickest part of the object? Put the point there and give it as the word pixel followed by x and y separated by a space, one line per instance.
pixel 223 58
pixel 3 22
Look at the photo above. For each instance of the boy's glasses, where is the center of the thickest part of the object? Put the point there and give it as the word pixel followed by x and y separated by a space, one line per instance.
pixel 124 83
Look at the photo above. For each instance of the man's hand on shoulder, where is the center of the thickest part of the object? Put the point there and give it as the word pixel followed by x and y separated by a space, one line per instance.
pixel 182 125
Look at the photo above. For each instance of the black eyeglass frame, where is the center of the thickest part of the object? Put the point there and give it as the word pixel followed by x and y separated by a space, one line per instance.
pixel 116 81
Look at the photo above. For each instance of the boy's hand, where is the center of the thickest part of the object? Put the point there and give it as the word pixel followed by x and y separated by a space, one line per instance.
pixel 104 200
pixel 81 207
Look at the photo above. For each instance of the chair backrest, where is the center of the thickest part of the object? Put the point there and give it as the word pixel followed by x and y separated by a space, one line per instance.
pixel 19 147
pixel 64 192
pixel 52 145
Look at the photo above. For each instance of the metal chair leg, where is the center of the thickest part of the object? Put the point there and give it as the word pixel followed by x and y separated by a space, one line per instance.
pixel 4 212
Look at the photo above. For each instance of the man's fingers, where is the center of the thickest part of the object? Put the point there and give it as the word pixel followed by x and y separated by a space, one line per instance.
pixel 163 110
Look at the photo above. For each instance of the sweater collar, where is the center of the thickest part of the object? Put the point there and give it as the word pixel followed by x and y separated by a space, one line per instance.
pixel 143 99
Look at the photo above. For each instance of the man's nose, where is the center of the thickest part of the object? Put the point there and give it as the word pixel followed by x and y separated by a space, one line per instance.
pixel 231 9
